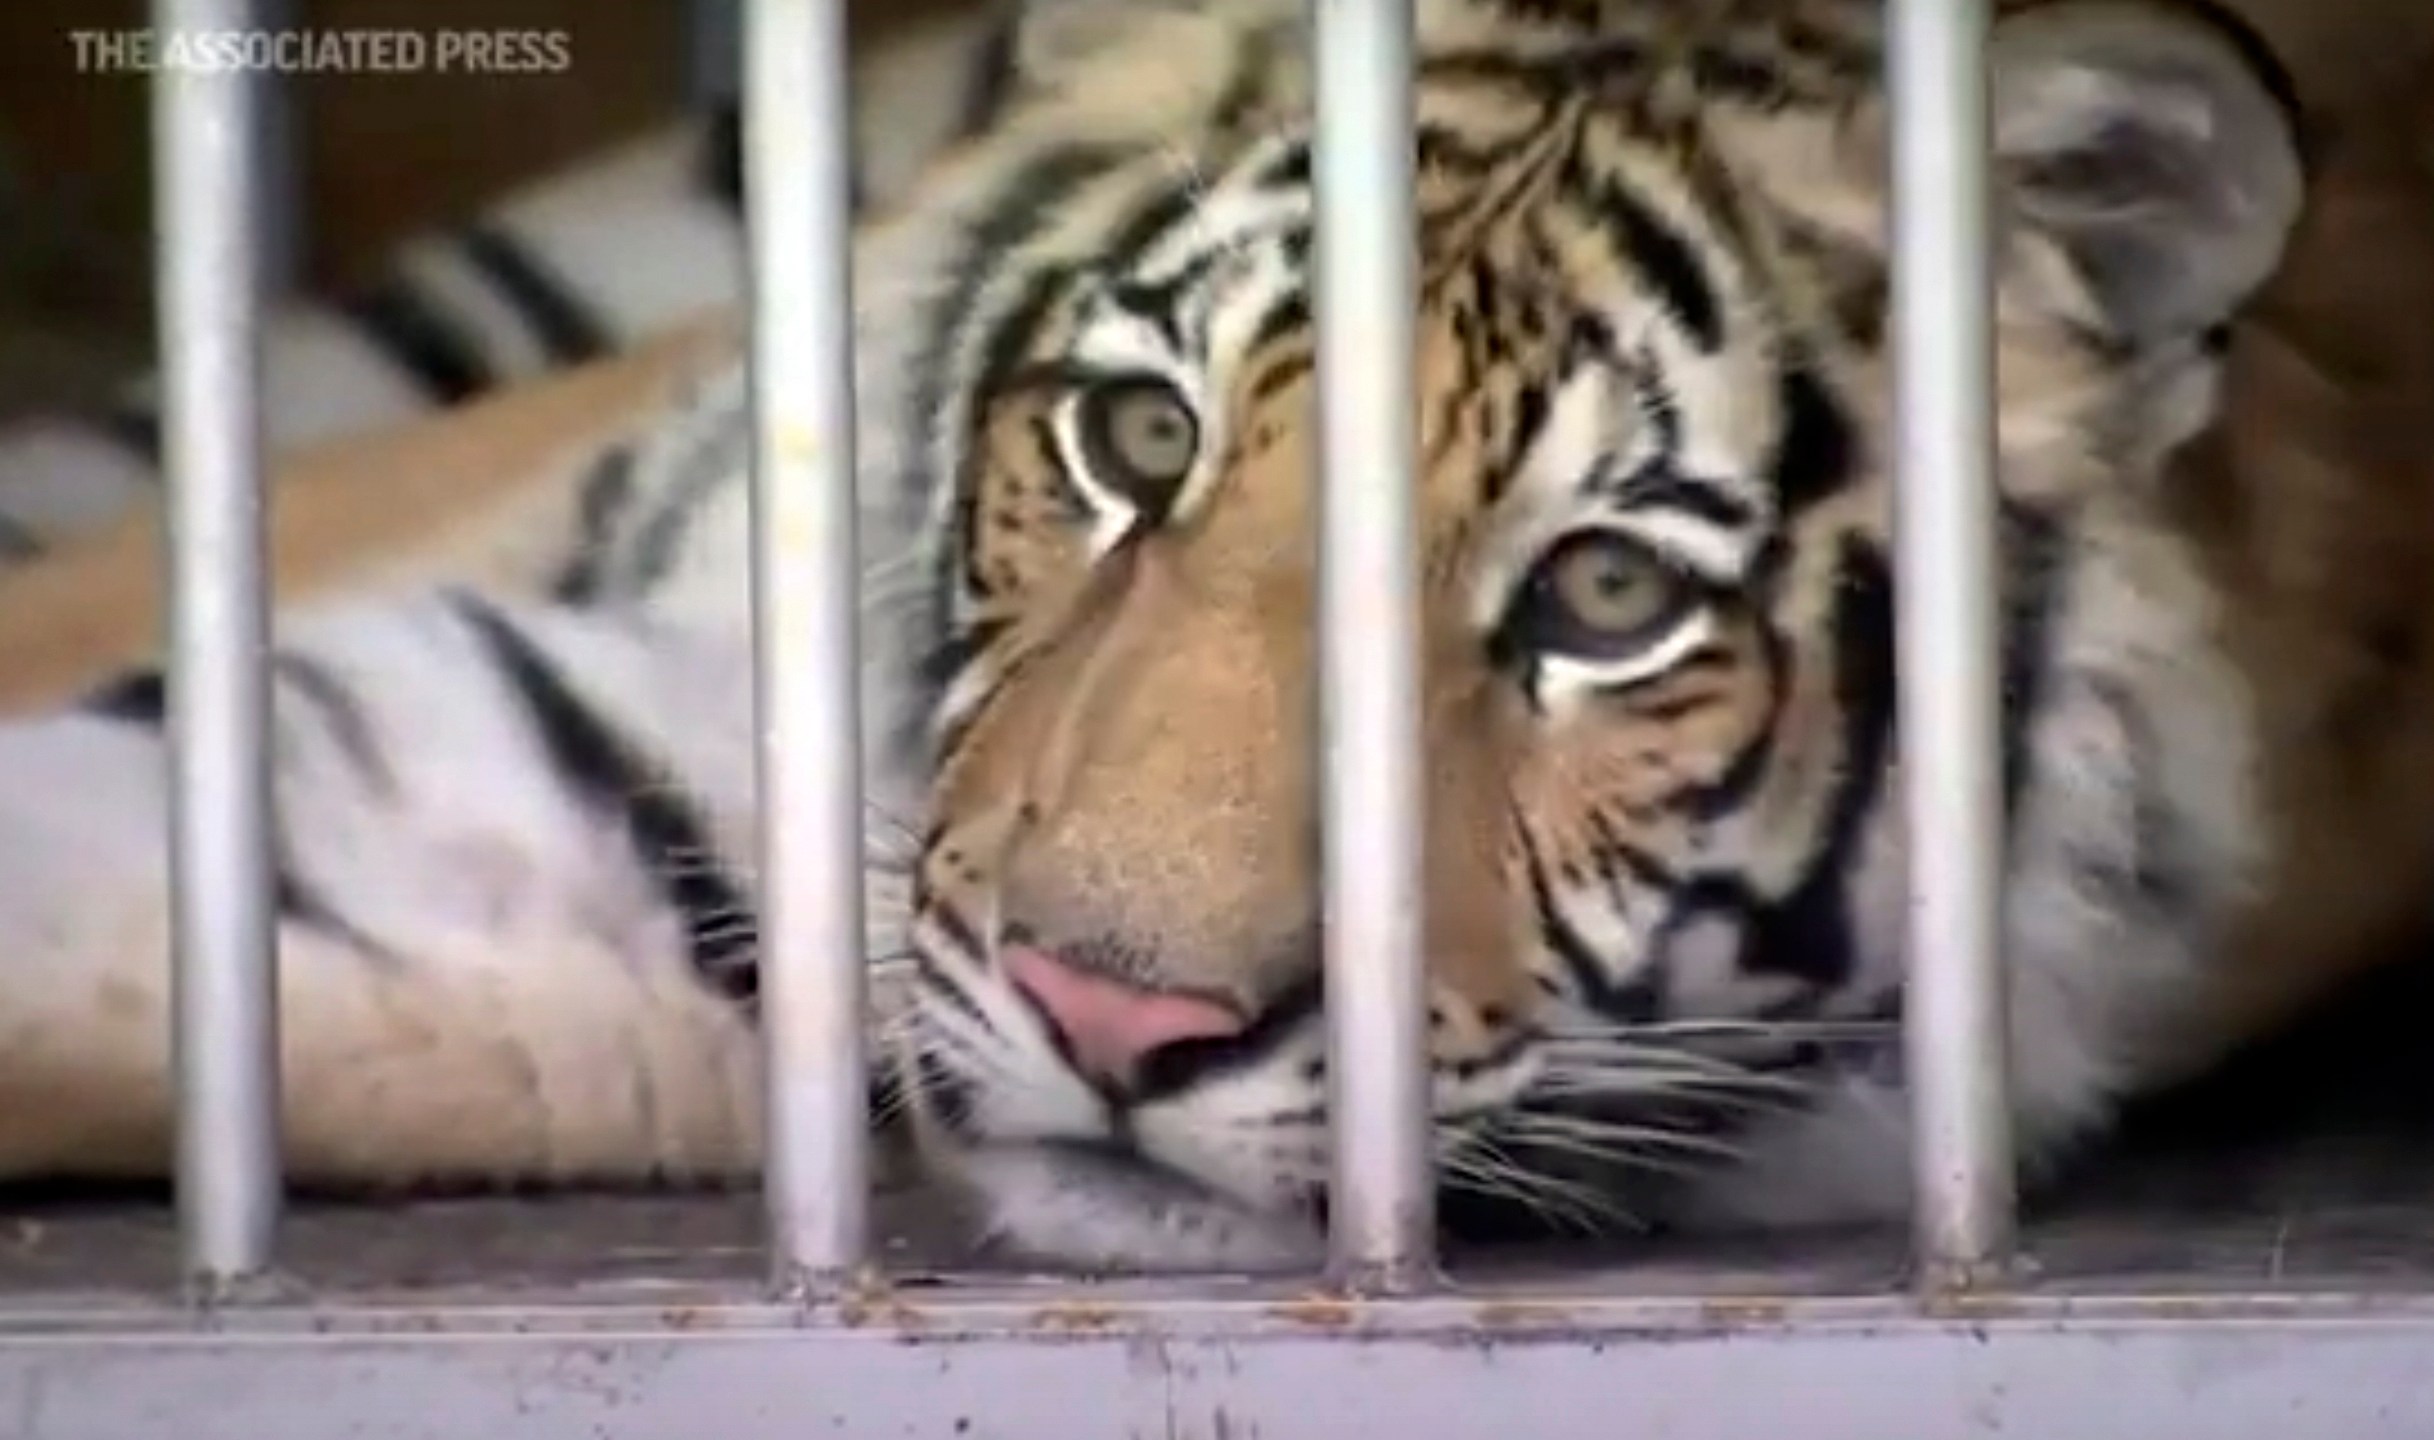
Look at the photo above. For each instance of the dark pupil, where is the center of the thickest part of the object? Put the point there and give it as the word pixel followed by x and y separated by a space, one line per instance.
pixel 1610 586
pixel 1157 435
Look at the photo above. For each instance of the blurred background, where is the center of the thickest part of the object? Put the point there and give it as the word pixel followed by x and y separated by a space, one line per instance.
pixel 376 159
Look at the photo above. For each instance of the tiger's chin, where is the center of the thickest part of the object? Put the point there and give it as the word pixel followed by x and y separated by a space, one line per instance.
pixel 1076 1205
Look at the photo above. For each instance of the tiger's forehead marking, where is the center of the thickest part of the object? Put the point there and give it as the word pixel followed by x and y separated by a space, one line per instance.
pixel 1663 423
pixel 1690 420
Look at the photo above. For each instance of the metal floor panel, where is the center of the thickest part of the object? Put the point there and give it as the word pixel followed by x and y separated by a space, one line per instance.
pixel 640 1316
pixel 498 1250
pixel 1250 1369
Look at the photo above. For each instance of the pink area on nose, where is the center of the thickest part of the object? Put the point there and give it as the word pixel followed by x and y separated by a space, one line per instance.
pixel 1107 1025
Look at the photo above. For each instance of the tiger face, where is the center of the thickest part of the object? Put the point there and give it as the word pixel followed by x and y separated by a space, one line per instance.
pixel 1663 855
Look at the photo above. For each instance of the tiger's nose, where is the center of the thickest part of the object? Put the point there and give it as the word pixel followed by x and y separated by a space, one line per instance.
pixel 1110 1028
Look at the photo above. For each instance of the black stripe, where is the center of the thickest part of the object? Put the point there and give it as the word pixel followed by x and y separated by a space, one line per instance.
pixel 1156 218
pixel 669 838
pixel 1445 150
pixel 2033 561
pixel 1028 202
pixel 422 339
pixel 138 697
pixel 944 1095
pixel 1646 242
pixel 1160 307
pixel 1807 934
pixel 18 540
pixel 1251 60
pixel 962 933
pixel 297 900
pixel 2256 51
pixel 568 330
pixel 992 81
pixel 1003 355
pixel 1593 988
pixel 1816 456
pixel 697 478
pixel 1845 54
pixel 941 663
pixel 722 160
pixel 2148 870
pixel 342 716
pixel 608 494
pixel 1289 171
pixel 1652 487
pixel 300 902
pixel 1655 395
pixel 1589 67
pixel 1619 857
pixel 141 697
pixel 134 425
pixel 1757 80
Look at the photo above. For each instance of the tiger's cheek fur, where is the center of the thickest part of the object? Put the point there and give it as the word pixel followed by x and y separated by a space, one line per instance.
pixel 1647 755
pixel 1030 541
pixel 1613 800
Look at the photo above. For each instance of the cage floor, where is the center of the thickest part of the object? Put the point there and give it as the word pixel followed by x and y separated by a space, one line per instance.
pixel 2307 1167
pixel 561 1248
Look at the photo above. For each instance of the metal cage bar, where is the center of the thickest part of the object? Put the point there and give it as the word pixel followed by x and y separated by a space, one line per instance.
pixel 1382 1200
pixel 1947 634
pixel 207 132
pixel 805 588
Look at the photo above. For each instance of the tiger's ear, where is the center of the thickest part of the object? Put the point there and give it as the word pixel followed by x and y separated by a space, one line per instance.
pixel 2154 154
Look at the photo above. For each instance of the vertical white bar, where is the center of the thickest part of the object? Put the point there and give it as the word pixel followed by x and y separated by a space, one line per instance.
pixel 206 136
pixel 1947 634
pixel 1382 1205
pixel 805 574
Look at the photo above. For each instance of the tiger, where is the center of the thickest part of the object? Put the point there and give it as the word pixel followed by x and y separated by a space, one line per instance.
pixel 561 270
pixel 514 870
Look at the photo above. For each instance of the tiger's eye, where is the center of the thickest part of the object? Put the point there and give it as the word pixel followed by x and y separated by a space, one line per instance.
pixel 1609 587
pixel 1600 594
pixel 1140 438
